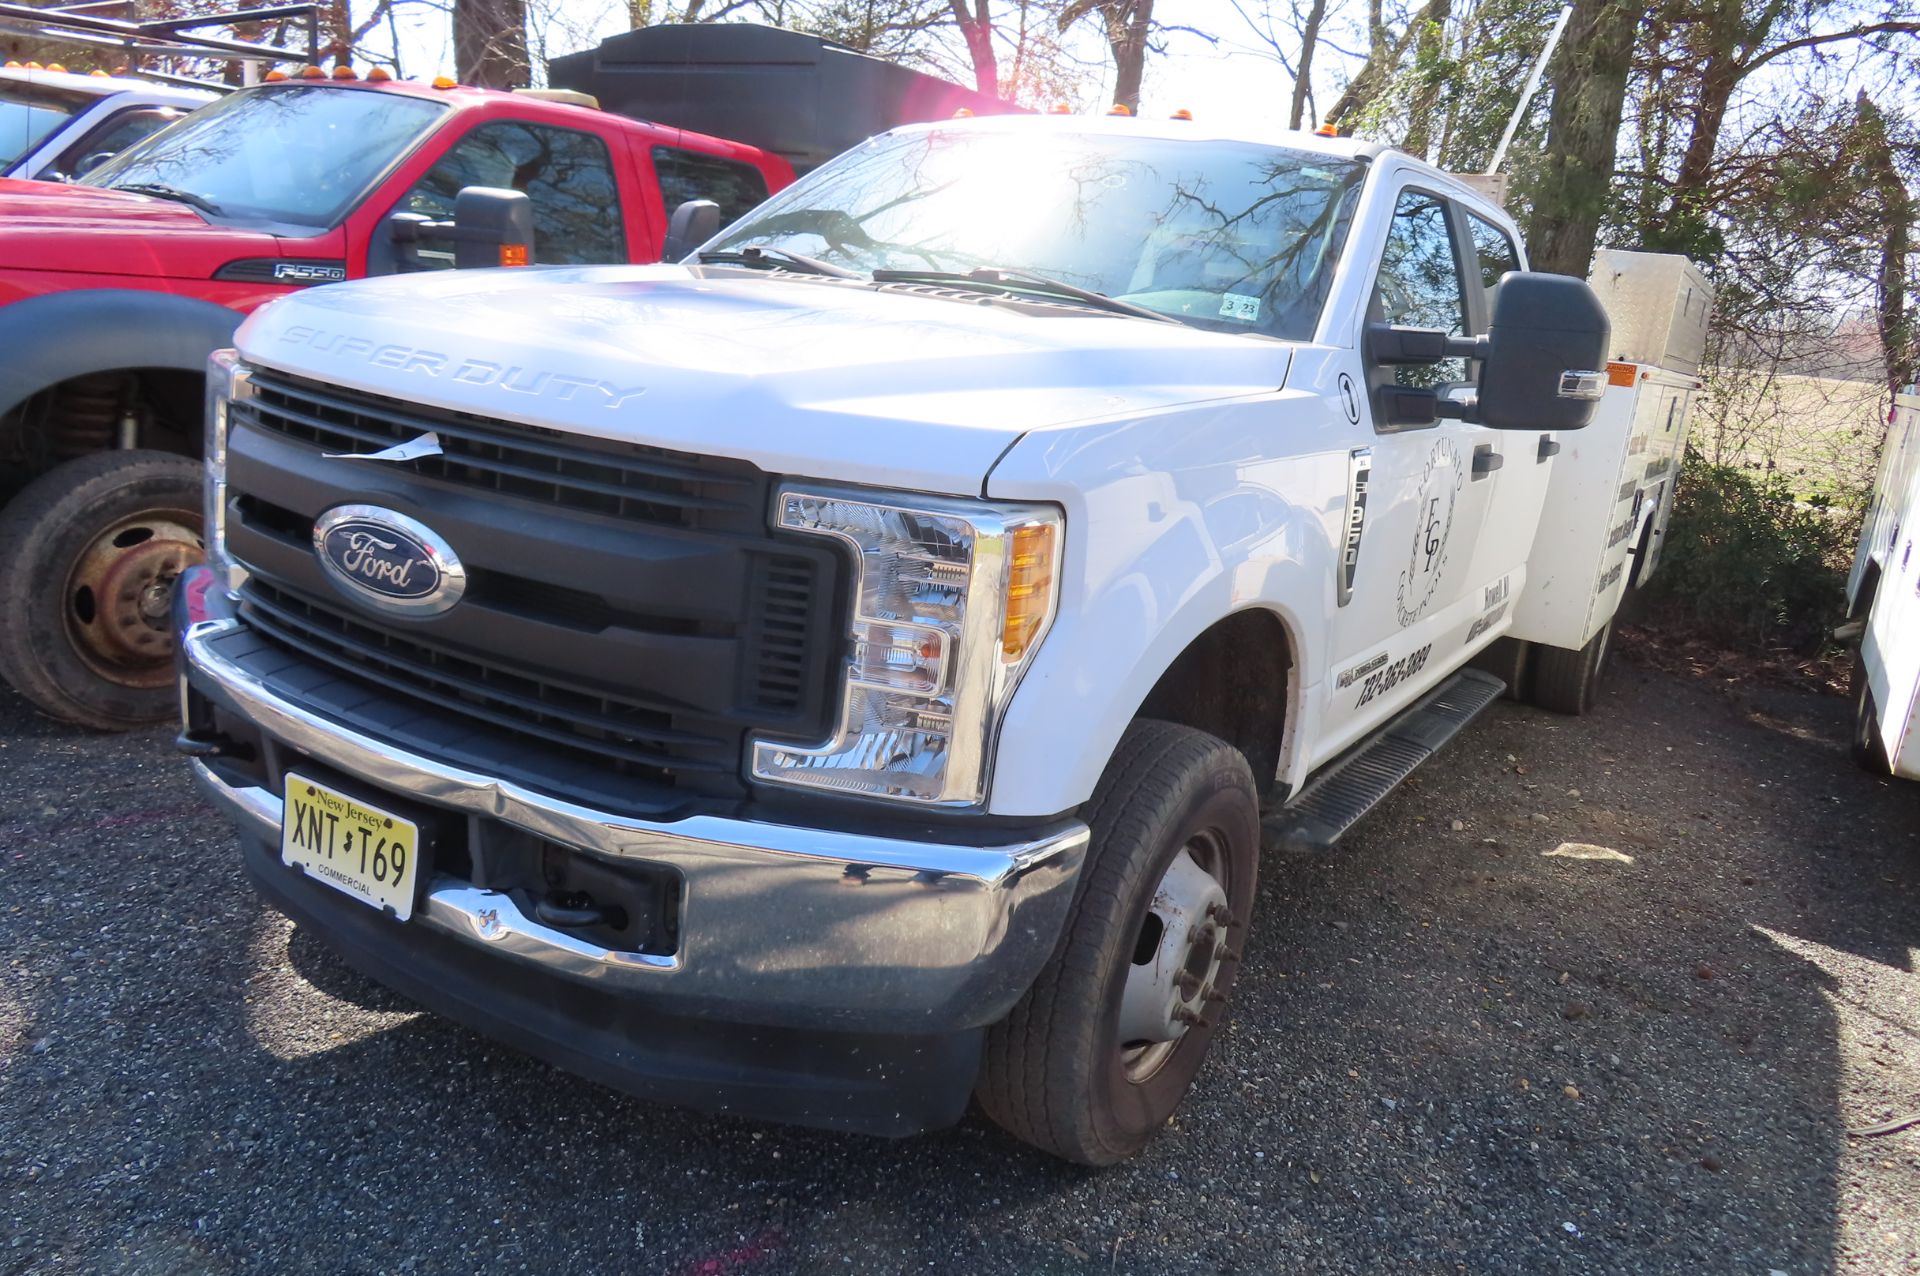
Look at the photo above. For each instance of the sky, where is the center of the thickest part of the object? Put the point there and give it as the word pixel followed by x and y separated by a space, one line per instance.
pixel 1226 81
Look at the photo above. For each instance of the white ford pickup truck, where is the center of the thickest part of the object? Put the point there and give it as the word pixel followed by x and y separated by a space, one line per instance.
pixel 857 669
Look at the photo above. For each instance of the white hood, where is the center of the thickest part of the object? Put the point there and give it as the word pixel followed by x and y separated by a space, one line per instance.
pixel 801 377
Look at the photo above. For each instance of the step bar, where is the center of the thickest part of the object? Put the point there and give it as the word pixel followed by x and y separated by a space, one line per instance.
pixel 1354 783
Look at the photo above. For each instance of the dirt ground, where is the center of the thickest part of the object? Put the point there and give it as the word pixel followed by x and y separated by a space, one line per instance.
pixel 1593 995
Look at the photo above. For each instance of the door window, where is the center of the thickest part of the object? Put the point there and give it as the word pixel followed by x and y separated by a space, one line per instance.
pixel 686 175
pixel 116 135
pixel 1495 252
pixel 1419 284
pixel 566 174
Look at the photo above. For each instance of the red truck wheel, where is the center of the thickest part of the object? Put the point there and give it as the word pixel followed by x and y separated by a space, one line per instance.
pixel 92 548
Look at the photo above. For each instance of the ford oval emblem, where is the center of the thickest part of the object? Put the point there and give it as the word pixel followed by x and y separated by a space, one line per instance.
pixel 387 561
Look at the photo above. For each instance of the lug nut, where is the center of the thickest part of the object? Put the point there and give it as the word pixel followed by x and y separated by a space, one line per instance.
pixel 1220 913
pixel 1214 997
pixel 1224 953
pixel 1189 983
pixel 1183 1015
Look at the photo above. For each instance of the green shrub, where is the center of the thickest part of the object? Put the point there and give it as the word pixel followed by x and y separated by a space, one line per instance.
pixel 1750 567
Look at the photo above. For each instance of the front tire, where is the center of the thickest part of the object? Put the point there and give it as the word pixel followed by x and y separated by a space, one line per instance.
pixel 1566 681
pixel 91 550
pixel 1099 1053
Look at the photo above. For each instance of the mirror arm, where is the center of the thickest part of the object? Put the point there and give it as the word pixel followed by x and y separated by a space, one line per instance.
pixel 1390 346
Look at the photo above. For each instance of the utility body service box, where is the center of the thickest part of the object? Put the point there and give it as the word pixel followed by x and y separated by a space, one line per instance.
pixel 1658 305
pixel 1607 505
pixel 1886 583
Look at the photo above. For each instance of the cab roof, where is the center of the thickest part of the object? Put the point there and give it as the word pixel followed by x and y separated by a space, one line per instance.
pixel 106 85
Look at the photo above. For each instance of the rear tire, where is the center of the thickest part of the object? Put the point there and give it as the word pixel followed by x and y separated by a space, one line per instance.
pixel 1869 749
pixel 1158 917
pixel 91 550
pixel 1567 681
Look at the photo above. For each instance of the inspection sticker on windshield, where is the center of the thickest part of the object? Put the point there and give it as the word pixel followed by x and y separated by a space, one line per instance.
pixel 1235 306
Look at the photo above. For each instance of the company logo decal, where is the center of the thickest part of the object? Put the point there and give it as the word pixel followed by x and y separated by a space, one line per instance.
pixel 1435 499
pixel 387 561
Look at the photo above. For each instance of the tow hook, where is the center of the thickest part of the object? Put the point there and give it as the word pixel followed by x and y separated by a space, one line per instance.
pixel 572 910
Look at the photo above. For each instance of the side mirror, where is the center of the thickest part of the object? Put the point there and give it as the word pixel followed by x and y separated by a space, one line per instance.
pixel 692 224
pixel 490 227
pixel 1546 357
pixel 90 163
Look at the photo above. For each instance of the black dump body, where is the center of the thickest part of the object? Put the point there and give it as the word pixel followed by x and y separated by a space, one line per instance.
pixel 803 98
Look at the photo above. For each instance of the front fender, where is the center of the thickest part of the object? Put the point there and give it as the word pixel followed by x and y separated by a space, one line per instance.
pixel 1174 522
pixel 59 336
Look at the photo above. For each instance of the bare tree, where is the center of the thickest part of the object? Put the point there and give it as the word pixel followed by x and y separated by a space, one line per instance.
pixel 1127 25
pixel 490 43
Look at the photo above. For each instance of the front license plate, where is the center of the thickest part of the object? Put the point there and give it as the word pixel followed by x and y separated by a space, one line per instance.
pixel 352 847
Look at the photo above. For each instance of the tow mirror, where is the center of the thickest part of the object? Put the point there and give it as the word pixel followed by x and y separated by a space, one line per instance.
pixel 490 227
pixel 1542 362
pixel 693 224
pixel 1546 359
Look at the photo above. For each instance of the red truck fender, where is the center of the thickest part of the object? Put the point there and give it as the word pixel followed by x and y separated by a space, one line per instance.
pixel 54 338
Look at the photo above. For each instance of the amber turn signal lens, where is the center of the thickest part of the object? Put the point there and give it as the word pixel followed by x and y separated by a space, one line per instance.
pixel 1620 374
pixel 515 255
pixel 1029 588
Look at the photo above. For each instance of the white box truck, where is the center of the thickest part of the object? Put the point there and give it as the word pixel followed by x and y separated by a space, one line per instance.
pixel 1883 597
pixel 848 671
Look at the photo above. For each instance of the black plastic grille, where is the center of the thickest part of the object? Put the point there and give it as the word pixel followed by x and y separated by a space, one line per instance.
pixel 622 480
pixel 628 621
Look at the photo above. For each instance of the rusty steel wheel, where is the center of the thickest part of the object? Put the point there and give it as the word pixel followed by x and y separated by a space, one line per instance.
pixel 92 549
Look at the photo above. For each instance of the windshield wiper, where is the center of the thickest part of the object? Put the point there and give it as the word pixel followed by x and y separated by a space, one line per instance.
pixel 780 259
pixel 1002 279
pixel 161 190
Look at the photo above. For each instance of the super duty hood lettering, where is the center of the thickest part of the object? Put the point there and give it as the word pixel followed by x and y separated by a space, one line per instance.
pixel 507 378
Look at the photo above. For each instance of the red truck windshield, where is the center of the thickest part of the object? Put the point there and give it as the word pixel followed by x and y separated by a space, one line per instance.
pixel 28 112
pixel 298 154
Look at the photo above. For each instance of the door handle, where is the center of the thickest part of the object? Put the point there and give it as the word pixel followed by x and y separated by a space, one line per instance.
pixel 1549 446
pixel 1486 461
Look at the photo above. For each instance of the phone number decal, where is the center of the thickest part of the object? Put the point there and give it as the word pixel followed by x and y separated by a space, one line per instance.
pixel 1393 675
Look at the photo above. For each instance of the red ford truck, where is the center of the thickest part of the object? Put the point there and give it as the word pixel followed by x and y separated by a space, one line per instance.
pixel 113 291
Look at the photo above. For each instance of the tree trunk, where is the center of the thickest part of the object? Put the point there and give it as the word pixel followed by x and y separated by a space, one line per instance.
pixel 1309 36
pixel 1898 324
pixel 976 28
pixel 490 43
pixel 1381 63
pixel 1429 53
pixel 1127 28
pixel 1583 129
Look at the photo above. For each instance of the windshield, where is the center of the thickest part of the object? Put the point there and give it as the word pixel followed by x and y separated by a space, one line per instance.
pixel 299 154
pixel 1230 236
pixel 30 112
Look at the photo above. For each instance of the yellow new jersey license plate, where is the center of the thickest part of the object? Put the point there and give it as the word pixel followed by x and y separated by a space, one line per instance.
pixel 352 847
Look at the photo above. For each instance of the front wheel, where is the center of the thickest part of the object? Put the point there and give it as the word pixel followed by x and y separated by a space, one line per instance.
pixel 90 552
pixel 1098 1054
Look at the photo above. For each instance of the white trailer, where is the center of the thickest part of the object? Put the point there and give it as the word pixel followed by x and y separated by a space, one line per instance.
pixel 1883 596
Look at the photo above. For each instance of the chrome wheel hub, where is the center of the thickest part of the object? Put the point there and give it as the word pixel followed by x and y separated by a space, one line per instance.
pixel 1176 963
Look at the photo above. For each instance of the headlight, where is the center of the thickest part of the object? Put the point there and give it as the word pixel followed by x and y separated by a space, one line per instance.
pixel 227 380
pixel 951 598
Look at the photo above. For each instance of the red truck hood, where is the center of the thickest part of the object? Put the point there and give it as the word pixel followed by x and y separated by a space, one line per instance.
pixel 88 229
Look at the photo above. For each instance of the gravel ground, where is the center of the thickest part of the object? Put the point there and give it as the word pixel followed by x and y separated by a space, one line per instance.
pixel 1454 1050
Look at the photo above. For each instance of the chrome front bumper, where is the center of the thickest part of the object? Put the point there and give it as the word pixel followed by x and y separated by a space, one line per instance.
pixel 780 925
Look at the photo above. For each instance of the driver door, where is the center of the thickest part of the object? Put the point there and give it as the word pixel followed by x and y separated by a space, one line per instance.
pixel 1423 573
